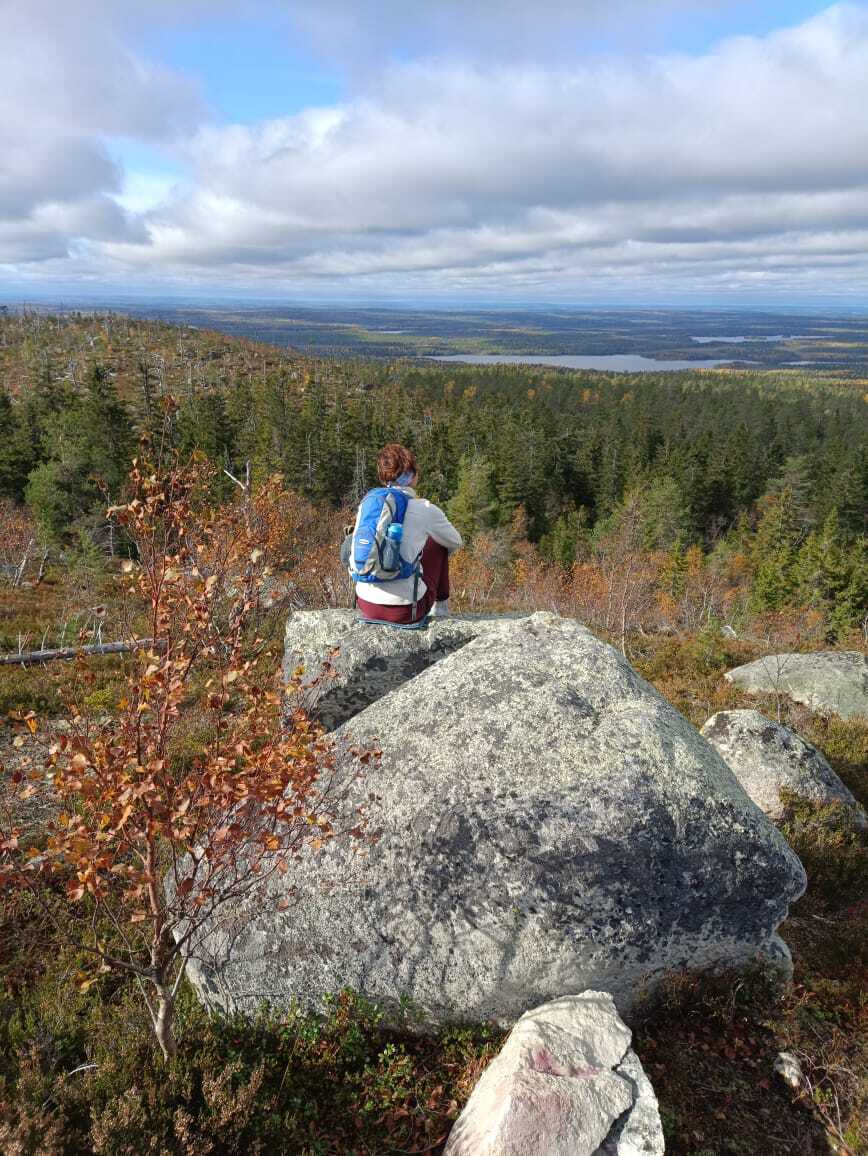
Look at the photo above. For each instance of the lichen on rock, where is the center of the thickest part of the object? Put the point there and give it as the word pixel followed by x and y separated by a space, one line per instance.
pixel 543 822
pixel 771 761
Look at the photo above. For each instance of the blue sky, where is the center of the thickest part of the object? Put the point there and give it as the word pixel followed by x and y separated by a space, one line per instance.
pixel 257 65
pixel 251 67
pixel 647 150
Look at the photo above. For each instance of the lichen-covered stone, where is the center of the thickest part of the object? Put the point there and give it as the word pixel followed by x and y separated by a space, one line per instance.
pixel 364 661
pixel 825 680
pixel 565 1083
pixel 768 758
pixel 544 822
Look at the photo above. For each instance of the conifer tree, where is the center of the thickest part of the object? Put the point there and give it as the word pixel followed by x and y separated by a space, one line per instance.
pixel 104 431
pixel 775 551
pixel 674 570
pixel 833 579
pixel 18 451
pixel 89 446
pixel 798 479
pixel 665 514
pixel 472 506
pixel 847 492
pixel 561 543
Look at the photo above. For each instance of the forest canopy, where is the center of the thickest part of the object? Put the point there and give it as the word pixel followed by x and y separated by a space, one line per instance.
pixel 773 464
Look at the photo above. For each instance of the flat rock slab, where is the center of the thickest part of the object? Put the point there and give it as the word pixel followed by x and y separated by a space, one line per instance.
pixel 825 680
pixel 768 758
pixel 365 660
pixel 566 1083
pixel 543 821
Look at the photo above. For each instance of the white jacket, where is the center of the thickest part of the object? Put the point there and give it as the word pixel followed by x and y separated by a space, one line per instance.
pixel 422 521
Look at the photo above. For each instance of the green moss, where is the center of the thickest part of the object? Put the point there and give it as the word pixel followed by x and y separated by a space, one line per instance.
pixel 25 690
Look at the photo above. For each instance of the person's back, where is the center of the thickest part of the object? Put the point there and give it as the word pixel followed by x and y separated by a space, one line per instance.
pixel 427 535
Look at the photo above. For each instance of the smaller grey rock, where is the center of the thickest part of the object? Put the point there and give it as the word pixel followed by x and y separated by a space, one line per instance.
pixel 790 1070
pixel 565 1084
pixel 768 758
pixel 835 680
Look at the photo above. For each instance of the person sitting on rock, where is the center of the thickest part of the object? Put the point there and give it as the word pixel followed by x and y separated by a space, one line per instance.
pixel 428 536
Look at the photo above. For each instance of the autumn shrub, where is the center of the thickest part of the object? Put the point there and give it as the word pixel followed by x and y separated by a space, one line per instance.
pixel 844 743
pixel 478 573
pixel 708 1044
pixel 833 849
pixel 158 845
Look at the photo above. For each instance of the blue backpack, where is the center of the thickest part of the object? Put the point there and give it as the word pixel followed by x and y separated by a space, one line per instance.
pixel 375 551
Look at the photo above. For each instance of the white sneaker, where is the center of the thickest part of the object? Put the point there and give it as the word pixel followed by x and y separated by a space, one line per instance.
pixel 440 609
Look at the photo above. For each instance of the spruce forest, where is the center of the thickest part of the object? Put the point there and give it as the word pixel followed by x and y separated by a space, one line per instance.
pixel 180 486
pixel 758 480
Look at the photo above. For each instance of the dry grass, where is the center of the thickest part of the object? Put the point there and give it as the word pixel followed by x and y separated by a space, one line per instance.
pixel 344 1085
pixel 710 1052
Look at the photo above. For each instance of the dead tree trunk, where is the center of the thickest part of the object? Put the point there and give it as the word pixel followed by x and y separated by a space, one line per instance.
pixel 32 657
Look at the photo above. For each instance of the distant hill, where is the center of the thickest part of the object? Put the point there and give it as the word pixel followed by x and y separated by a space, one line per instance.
pixel 774 340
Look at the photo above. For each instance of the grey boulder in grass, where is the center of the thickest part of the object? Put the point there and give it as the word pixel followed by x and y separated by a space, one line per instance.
pixel 543 822
pixel 566 1083
pixel 833 680
pixel 768 759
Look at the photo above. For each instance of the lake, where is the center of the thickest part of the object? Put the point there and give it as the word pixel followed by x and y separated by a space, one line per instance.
pixel 773 337
pixel 614 362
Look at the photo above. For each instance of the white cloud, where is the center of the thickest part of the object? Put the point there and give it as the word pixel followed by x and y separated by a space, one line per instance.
pixel 68 82
pixel 631 174
pixel 362 36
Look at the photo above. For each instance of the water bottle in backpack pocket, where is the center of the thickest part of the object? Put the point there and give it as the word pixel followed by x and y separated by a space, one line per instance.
pixel 391 552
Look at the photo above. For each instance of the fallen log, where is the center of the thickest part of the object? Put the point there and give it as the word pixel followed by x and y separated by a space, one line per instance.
pixel 32 657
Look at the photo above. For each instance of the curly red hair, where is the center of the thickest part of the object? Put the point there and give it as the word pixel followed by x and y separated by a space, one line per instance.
pixel 393 461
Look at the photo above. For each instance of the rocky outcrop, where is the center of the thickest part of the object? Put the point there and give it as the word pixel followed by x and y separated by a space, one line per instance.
pixel 566 1083
pixel 363 662
pixel 768 758
pixel 542 822
pixel 825 680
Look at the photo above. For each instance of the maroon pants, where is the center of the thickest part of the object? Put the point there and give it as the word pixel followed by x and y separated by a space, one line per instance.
pixel 435 574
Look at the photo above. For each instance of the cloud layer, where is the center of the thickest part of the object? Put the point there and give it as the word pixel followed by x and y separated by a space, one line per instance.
pixel 68 84
pixel 745 168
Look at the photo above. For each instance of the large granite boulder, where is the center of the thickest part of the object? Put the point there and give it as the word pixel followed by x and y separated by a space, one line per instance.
pixel 768 758
pixel 833 680
pixel 543 822
pixel 565 1083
